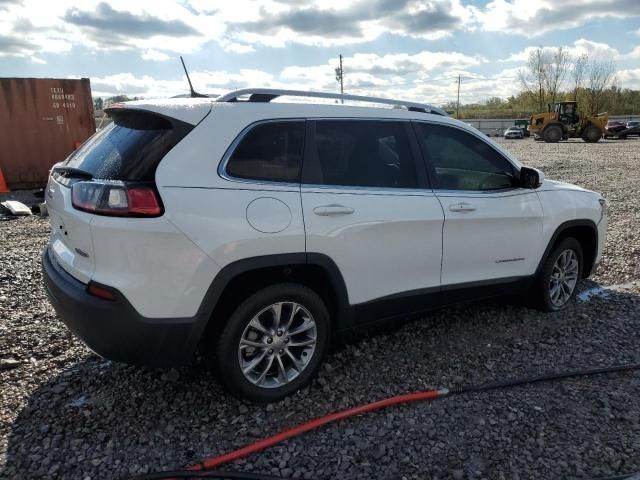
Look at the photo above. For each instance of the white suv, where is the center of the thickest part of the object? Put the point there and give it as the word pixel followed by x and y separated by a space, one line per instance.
pixel 259 230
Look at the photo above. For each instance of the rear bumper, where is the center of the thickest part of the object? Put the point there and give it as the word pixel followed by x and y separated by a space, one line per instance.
pixel 114 329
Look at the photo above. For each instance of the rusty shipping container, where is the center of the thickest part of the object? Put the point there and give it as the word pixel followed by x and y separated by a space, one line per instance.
pixel 42 120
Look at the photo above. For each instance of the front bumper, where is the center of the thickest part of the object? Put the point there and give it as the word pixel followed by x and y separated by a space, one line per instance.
pixel 602 238
pixel 113 328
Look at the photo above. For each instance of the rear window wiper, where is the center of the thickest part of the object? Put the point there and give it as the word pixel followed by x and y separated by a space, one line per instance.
pixel 73 172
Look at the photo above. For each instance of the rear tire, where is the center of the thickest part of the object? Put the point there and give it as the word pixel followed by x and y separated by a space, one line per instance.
pixel 556 283
pixel 552 134
pixel 591 134
pixel 263 335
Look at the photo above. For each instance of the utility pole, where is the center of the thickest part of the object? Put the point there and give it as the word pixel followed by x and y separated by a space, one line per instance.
pixel 340 78
pixel 458 104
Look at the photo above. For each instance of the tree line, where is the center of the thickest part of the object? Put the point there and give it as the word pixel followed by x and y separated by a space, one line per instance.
pixel 585 79
pixel 553 75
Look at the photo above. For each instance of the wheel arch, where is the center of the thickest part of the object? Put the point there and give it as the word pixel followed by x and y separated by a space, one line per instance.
pixel 586 232
pixel 241 278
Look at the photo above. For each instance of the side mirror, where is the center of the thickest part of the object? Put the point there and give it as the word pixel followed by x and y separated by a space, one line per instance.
pixel 531 177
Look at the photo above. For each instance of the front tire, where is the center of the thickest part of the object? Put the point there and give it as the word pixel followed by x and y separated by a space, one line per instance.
pixel 556 284
pixel 591 134
pixel 552 134
pixel 273 343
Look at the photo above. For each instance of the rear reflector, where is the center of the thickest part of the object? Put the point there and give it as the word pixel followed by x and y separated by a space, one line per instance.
pixel 100 292
pixel 117 199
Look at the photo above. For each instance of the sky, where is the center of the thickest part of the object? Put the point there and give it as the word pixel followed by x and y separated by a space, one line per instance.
pixel 407 49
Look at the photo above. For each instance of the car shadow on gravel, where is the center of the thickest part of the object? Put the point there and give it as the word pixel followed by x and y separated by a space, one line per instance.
pixel 103 420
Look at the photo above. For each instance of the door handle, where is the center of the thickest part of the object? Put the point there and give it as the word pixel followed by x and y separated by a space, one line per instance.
pixel 329 210
pixel 462 207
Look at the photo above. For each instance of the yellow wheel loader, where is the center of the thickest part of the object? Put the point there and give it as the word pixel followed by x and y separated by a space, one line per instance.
pixel 563 122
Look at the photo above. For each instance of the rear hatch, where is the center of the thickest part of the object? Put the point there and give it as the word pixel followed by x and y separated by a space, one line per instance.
pixel 119 159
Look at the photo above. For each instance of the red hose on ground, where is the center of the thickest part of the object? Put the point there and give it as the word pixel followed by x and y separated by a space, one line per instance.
pixel 215 462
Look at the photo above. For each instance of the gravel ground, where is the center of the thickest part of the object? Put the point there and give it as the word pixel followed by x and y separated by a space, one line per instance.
pixel 66 413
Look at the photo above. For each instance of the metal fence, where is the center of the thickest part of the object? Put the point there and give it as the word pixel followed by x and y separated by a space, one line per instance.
pixel 497 126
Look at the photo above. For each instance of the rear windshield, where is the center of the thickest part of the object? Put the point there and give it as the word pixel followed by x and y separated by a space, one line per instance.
pixel 130 148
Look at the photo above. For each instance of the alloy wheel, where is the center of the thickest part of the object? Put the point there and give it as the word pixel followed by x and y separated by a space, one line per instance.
pixel 277 344
pixel 564 277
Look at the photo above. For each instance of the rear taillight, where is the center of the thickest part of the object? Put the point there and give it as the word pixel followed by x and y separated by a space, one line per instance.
pixel 119 199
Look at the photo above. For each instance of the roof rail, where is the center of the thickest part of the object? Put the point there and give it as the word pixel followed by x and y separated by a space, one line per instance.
pixel 268 94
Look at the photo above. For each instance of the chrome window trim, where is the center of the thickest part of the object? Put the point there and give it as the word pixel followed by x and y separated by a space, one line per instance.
pixel 359 190
pixel 366 119
pixel 498 193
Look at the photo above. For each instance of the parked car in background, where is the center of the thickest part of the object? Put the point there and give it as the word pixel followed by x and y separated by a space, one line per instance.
pixel 635 126
pixel 614 127
pixel 257 231
pixel 631 129
pixel 513 132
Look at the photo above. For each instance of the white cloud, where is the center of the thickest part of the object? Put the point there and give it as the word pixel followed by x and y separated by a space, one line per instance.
pixel 389 65
pixel 155 55
pixel 524 17
pixel 629 78
pixel 238 26
pixel 582 46
pixel 238 48
pixel 632 55
pixel 211 82
pixel 169 27
pixel 164 26
pixel 276 24
pixel 425 76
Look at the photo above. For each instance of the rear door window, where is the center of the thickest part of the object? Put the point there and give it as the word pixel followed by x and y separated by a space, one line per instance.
pixel 130 148
pixel 270 151
pixel 363 153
